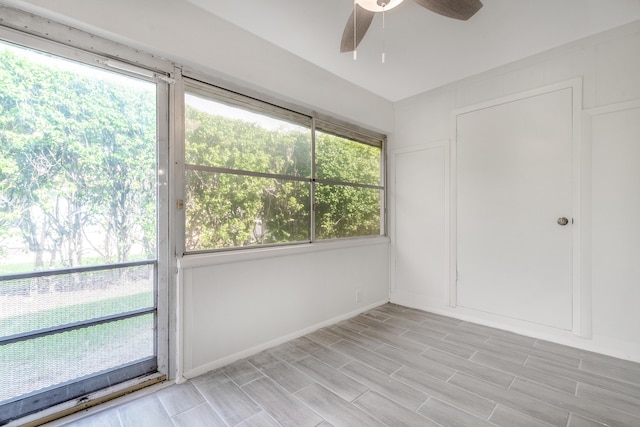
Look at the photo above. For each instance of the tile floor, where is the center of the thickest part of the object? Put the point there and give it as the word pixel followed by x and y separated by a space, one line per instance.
pixel 396 366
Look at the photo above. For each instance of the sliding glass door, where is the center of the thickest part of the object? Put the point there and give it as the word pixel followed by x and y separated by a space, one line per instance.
pixel 79 212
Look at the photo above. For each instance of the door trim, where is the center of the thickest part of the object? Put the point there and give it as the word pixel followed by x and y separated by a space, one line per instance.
pixel 579 309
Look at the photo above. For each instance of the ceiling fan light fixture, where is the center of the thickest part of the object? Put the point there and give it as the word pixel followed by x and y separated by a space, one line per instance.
pixel 378 5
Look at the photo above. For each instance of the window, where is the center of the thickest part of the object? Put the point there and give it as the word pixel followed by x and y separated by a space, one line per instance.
pixel 257 174
pixel 79 251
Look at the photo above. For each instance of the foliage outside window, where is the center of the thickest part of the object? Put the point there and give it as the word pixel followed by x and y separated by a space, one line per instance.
pixel 77 165
pixel 256 174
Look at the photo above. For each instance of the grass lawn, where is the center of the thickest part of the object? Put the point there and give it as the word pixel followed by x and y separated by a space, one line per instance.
pixel 31 365
pixel 75 313
pixel 38 363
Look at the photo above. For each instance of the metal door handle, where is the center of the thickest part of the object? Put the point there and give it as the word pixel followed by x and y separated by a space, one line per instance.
pixel 563 221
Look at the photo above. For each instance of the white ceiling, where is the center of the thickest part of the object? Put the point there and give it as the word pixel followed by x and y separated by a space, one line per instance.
pixel 423 50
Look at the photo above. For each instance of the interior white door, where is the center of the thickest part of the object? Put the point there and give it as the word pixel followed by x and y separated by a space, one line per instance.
pixel 514 183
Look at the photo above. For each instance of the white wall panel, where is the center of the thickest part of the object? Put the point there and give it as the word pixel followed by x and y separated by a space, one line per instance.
pixel 420 238
pixel 235 309
pixel 615 140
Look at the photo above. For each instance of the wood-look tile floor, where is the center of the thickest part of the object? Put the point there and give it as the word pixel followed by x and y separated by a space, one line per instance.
pixel 396 366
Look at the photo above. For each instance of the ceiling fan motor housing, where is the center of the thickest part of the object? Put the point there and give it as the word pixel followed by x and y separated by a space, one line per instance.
pixel 378 5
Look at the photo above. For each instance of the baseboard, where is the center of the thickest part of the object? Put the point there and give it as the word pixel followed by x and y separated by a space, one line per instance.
pixel 210 366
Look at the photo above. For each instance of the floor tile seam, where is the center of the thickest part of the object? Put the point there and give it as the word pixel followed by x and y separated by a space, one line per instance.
pixel 345 364
pixel 551 359
pixel 599 377
pixel 368 390
pixel 453 406
pixel 277 382
pixel 618 378
pixel 394 372
pixel 496 402
pixel 526 415
pixel 167 410
pixel 625 365
pixel 328 387
pixel 120 417
pixel 634 414
pixel 364 410
pixel 431 347
pixel 448 402
pixel 383 393
pixel 493 411
pixel 204 400
pixel 427 374
pixel 273 419
pixel 267 364
pixel 469 345
pixel 421 406
pixel 455 371
pixel 470 371
pixel 527 378
pixel 237 384
pixel 262 408
pixel 578 407
pixel 506 340
pixel 515 406
pixel 569 352
pixel 381 421
pixel 573 414
pixel 154 396
pixel 512 381
pixel 254 380
pixel 295 395
pixel 635 398
pixel 218 412
pixel 580 411
pixel 578 383
pixel 436 335
pixel 394 345
pixel 507 402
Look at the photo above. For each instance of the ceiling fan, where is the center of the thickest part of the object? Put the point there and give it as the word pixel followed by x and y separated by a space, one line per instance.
pixel 365 10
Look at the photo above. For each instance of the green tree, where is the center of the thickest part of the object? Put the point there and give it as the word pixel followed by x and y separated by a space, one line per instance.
pixel 341 210
pixel 225 210
pixel 78 155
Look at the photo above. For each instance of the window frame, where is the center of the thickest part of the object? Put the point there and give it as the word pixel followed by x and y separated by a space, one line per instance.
pixel 238 97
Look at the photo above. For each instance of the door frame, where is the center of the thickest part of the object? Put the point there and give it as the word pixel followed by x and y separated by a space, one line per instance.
pixel 575 84
pixel 66 42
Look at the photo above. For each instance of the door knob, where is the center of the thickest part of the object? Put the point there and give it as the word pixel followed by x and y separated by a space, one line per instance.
pixel 563 221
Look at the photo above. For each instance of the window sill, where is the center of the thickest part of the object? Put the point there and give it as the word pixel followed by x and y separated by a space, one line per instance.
pixel 216 258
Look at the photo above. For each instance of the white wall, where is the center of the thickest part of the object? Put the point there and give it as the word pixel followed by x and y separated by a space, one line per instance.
pixel 238 307
pixel 609 65
pixel 235 308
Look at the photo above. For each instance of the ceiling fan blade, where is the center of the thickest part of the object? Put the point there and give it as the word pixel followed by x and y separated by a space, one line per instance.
pixel 363 21
pixel 456 9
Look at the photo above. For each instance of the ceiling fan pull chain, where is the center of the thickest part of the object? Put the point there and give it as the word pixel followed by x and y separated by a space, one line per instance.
pixel 355 40
pixel 383 44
